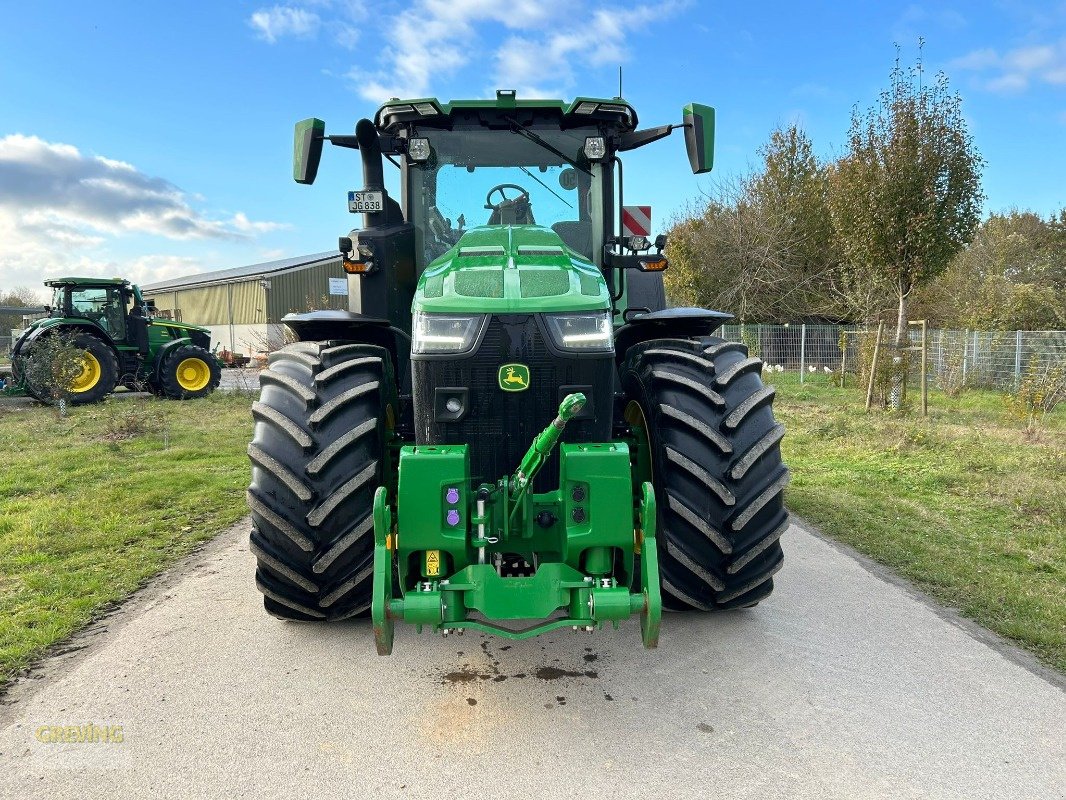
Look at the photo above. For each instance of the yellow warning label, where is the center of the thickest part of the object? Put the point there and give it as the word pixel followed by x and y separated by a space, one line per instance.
pixel 432 563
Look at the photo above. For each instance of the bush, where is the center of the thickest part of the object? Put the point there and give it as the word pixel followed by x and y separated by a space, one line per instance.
pixel 128 419
pixel 1042 387
pixel 52 367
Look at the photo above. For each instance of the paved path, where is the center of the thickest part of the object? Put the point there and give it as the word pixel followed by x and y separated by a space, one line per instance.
pixel 842 685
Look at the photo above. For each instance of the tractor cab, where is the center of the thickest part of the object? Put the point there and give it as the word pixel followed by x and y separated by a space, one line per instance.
pixel 103 302
pixel 507 163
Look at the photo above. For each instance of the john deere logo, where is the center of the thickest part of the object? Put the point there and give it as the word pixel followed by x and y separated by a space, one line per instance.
pixel 514 377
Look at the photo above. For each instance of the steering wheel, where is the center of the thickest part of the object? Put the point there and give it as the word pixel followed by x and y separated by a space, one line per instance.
pixel 522 195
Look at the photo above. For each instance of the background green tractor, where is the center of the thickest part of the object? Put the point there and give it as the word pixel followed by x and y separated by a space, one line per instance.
pixel 120 343
pixel 401 463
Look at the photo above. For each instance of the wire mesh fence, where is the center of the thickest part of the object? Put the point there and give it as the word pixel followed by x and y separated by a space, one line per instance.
pixel 953 359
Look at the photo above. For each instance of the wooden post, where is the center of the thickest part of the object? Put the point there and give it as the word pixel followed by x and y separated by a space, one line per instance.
pixel 925 386
pixel 873 366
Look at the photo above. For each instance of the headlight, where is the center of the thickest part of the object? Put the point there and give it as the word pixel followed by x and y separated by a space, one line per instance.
pixel 586 332
pixel 444 333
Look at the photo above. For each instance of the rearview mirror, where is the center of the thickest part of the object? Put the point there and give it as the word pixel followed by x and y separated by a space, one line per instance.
pixel 699 136
pixel 307 149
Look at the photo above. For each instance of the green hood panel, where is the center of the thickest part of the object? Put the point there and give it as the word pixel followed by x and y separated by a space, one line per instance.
pixel 507 269
pixel 181 326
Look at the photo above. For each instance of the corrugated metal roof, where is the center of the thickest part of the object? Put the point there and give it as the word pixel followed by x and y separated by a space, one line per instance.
pixel 239 273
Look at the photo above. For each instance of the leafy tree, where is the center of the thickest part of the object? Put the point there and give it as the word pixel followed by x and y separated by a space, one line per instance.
pixel 906 197
pixel 1012 276
pixel 19 297
pixel 762 246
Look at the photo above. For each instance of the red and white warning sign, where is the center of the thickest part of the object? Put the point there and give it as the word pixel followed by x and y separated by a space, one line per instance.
pixel 636 220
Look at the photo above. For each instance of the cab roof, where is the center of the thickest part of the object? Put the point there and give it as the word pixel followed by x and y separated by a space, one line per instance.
pixel 87 282
pixel 579 112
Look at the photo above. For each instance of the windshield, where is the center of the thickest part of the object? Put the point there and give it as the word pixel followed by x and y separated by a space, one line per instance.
pixel 498 177
pixel 103 305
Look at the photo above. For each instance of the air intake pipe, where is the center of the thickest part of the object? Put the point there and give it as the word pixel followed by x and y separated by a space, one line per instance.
pixel 374 176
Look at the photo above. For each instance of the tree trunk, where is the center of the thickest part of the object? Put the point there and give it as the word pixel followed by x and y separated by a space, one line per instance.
pixel 899 364
pixel 901 322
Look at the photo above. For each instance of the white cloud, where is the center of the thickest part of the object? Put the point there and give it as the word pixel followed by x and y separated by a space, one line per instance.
pixel 303 20
pixel 61 207
pixel 240 222
pixel 545 41
pixel 917 21
pixel 544 66
pixel 1016 70
pixel 278 22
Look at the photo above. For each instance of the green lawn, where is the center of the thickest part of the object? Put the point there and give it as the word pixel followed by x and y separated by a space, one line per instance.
pixel 962 502
pixel 94 504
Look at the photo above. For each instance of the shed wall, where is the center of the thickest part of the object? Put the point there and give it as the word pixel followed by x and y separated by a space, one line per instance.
pixel 305 289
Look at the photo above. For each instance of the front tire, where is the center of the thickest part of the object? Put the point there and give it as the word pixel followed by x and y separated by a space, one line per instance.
pixel 189 372
pixel 319 451
pixel 716 468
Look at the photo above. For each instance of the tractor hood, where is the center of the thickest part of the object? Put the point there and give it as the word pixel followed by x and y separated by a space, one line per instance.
pixel 511 269
pixel 181 326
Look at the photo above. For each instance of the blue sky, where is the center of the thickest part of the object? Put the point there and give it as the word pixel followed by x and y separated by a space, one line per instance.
pixel 153 139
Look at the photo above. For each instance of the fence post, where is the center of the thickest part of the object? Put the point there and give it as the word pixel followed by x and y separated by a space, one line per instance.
pixel 965 348
pixel 803 350
pixel 1017 359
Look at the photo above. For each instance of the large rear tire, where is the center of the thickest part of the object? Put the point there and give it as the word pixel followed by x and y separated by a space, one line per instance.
pixel 716 468
pixel 319 451
pixel 97 379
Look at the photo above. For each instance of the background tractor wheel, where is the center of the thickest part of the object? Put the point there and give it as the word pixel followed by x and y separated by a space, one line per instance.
pixel 189 372
pixel 716 467
pixel 319 452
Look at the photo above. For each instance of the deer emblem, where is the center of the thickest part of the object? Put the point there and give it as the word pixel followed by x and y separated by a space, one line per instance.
pixel 514 377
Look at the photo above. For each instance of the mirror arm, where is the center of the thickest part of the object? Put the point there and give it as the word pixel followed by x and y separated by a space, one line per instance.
pixel 344 141
pixel 635 139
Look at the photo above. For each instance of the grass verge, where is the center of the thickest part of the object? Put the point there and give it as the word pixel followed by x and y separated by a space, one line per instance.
pixel 961 502
pixel 95 503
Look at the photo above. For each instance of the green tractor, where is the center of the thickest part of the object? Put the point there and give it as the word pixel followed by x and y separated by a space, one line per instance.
pixel 509 431
pixel 121 344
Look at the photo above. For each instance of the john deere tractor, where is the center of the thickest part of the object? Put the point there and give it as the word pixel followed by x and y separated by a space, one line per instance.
pixel 509 431
pixel 120 342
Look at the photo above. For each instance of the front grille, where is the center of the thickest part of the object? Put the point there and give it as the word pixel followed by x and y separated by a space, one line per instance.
pixel 500 426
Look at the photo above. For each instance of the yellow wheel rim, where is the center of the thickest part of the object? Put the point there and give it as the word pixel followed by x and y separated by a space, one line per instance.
pixel 193 374
pixel 89 375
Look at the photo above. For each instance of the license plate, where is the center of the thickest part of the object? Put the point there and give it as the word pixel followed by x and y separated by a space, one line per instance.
pixel 366 202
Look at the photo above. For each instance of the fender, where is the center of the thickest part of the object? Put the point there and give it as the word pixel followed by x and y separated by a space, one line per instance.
pixel 667 324
pixel 32 334
pixel 313 326
pixel 164 352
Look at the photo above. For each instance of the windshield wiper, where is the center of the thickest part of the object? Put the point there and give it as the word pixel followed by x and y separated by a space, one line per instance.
pixel 546 186
pixel 518 128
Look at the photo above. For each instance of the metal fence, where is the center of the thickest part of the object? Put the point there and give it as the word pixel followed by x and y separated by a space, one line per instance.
pixel 977 359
